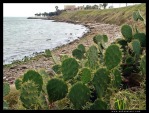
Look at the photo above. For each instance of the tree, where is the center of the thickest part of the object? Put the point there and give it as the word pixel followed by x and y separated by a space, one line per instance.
pixel 95 7
pixel 56 7
pixel 104 5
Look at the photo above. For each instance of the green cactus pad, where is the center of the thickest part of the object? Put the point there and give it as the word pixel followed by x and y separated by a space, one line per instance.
pixel 137 16
pixel 143 64
pixel 29 94
pixel 105 38
pixel 99 105
pixel 113 56
pixel 126 31
pixel 85 75
pixel 77 54
pixel 63 57
pixel 69 68
pixel 101 80
pixel 81 47
pixel 117 78
pixel 56 89
pixel 97 38
pixel 92 55
pixel 79 94
pixel 6 88
pixel 5 105
pixel 48 53
pixel 142 38
pixel 122 42
pixel 57 68
pixel 136 47
pixel 18 83
pixel 35 77
pixel 130 60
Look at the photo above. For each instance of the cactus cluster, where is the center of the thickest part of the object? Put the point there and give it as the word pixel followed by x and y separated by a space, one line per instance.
pixel 85 78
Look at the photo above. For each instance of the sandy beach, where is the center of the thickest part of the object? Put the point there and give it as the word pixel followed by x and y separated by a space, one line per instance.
pixel 42 62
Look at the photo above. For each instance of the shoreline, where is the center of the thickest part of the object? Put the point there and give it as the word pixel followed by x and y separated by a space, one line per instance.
pixel 39 61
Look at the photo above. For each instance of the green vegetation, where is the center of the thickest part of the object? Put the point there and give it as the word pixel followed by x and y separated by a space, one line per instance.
pixel 96 81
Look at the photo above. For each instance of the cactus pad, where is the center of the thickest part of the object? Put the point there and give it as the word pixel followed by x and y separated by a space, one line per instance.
pixel 69 68
pixel 113 56
pixel 77 54
pixel 35 77
pixel 56 89
pixel 99 105
pixel 97 38
pixel 18 83
pixel 57 68
pixel 6 89
pixel 143 64
pixel 85 75
pixel 105 38
pixel 126 31
pixel 142 38
pixel 79 94
pixel 101 80
pixel 48 53
pixel 92 55
pixel 117 78
pixel 136 47
pixel 81 47
pixel 29 95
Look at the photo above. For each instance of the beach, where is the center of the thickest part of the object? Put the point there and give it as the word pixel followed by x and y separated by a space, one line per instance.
pixel 10 73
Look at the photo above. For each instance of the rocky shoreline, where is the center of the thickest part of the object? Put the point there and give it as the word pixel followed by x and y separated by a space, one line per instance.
pixel 42 62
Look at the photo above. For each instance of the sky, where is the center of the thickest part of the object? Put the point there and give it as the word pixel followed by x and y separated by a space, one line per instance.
pixel 29 9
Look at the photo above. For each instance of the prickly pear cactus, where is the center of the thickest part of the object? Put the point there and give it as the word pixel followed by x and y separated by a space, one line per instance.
pixel 18 83
pixel 57 68
pixel 105 38
pixel 81 47
pixel 48 53
pixel 35 77
pixel 97 38
pixel 143 64
pixel 29 95
pixel 137 16
pixel 92 55
pixel 142 38
pixel 117 78
pixel 63 57
pixel 113 56
pixel 5 105
pixel 77 54
pixel 6 89
pixel 129 60
pixel 79 94
pixel 136 47
pixel 122 42
pixel 85 75
pixel 56 89
pixel 69 68
pixel 99 105
pixel 101 80
pixel 126 31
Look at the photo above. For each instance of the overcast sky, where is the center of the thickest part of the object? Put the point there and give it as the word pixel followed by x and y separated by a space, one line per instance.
pixel 29 9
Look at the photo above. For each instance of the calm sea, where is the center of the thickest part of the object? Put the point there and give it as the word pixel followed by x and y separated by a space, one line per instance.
pixel 23 37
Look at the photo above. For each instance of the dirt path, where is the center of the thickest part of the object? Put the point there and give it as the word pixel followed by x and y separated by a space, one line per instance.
pixel 112 31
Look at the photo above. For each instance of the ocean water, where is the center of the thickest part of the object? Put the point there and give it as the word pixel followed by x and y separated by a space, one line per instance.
pixel 23 37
